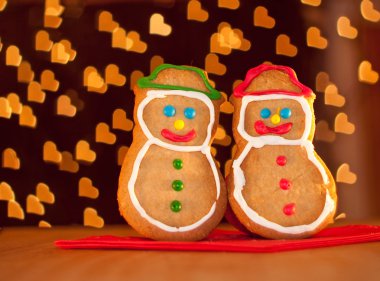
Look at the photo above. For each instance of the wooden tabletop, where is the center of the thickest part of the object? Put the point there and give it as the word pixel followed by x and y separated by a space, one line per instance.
pixel 28 253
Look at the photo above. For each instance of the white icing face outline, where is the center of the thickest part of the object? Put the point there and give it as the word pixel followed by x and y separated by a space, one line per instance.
pixel 155 94
pixel 204 148
pixel 263 140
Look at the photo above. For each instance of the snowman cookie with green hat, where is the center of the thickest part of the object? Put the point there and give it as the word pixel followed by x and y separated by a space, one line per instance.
pixel 170 187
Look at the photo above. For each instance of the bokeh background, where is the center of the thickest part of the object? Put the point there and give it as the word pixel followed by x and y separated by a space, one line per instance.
pixel 67 69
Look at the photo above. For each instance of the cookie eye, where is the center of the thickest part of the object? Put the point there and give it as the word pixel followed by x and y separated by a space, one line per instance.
pixel 189 112
pixel 265 113
pixel 169 110
pixel 285 113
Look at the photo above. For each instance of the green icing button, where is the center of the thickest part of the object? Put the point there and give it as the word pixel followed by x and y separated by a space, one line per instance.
pixel 176 206
pixel 177 185
pixel 177 164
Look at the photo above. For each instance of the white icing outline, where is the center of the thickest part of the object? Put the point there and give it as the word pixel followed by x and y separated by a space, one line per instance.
pixel 258 142
pixel 274 140
pixel 204 148
pixel 154 94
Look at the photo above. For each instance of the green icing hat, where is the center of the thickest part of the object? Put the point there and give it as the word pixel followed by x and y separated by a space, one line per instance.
pixel 147 82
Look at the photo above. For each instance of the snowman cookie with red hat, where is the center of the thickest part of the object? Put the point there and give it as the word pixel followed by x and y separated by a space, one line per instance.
pixel 279 187
pixel 170 187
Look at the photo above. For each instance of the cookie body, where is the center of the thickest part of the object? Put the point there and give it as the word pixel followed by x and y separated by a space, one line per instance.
pixel 279 187
pixel 170 187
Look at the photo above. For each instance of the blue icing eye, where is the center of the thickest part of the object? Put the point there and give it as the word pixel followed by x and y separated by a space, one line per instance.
pixel 169 110
pixel 285 113
pixel 189 112
pixel 265 113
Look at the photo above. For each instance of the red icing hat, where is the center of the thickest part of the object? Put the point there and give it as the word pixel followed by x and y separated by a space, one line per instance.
pixel 240 92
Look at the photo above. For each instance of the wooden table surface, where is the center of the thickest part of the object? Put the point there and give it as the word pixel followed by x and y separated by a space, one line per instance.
pixel 28 253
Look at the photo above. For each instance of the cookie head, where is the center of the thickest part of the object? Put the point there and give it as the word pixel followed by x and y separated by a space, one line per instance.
pixel 177 132
pixel 177 117
pixel 274 103
pixel 279 117
pixel 179 107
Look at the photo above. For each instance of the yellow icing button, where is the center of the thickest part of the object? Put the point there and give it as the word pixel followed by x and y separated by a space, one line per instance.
pixel 275 119
pixel 179 124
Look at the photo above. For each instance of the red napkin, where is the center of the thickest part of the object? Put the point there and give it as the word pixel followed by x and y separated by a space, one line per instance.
pixel 232 241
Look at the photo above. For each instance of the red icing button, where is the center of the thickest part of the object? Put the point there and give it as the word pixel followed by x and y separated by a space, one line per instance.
pixel 289 209
pixel 285 184
pixel 281 160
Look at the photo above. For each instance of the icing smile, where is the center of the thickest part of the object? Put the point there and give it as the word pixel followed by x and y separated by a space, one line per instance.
pixel 263 129
pixel 167 134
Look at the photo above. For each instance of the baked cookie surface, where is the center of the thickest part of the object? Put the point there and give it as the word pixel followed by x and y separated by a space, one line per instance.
pixel 170 187
pixel 279 187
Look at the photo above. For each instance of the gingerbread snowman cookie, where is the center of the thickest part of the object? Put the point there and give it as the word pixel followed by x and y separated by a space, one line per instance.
pixel 170 187
pixel 279 187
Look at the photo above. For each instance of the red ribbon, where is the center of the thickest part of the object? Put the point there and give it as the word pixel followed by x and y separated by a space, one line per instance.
pixel 232 241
